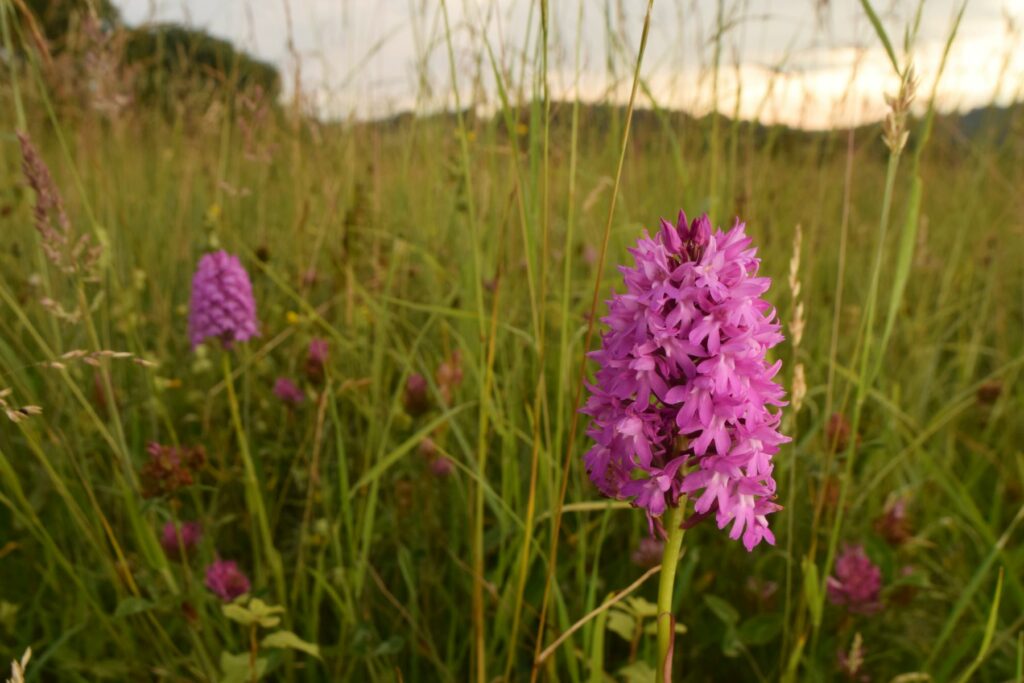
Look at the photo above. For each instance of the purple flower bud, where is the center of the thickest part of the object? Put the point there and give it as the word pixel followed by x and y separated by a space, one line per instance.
pixel 190 532
pixel 318 349
pixel 416 399
pixel 857 583
pixel 681 402
pixel 316 359
pixel 648 552
pixel 222 303
pixel 226 580
pixel 287 391
pixel 441 466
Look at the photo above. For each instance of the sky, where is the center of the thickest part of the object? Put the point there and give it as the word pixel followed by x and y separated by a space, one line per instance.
pixel 805 63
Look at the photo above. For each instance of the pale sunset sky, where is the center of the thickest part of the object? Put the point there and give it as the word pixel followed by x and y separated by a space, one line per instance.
pixel 810 63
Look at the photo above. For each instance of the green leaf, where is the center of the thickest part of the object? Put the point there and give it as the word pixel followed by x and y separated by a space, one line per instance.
pixel 652 627
pixel 641 607
pixel 290 641
pixel 637 672
pixel 256 612
pixel 882 35
pixel 760 629
pixel 811 589
pixel 722 609
pixel 239 669
pixel 392 645
pixel 132 605
pixel 239 613
pixel 622 623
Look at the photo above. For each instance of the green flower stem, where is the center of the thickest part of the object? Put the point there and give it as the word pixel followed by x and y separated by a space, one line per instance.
pixel 670 560
pixel 252 488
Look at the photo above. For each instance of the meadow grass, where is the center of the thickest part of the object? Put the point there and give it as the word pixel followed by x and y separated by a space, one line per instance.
pixel 489 241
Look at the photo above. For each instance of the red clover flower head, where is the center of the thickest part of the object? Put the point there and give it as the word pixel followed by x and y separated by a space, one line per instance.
pixel 288 391
pixel 191 532
pixel 170 468
pixel 681 399
pixel 226 580
pixel 857 583
pixel 222 304
pixel 316 359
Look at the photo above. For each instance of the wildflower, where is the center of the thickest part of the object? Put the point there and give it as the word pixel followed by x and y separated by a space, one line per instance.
pixel 316 360
pixel 190 533
pixel 857 583
pixel 287 391
pixel 415 398
pixel 449 376
pixel 222 303
pixel 170 468
pixel 226 580
pixel 442 466
pixel 427 448
pixel 681 400
pixel 893 524
pixel 648 552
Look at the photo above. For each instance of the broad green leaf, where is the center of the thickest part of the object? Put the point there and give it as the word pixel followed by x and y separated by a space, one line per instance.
pixel 760 629
pixel 239 668
pixel 811 589
pixel 652 627
pixel 622 623
pixel 256 612
pixel 288 640
pixel 722 609
pixel 637 672
pixel 642 608
pixel 132 605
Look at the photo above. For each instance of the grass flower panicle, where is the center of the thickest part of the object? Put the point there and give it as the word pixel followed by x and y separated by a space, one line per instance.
pixel 681 400
pixel 222 303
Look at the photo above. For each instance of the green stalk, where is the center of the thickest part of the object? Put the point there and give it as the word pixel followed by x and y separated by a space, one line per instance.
pixel 667 581
pixel 252 488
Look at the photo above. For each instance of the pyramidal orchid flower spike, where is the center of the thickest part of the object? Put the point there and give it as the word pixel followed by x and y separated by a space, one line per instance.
pixel 222 303
pixel 683 396
pixel 682 400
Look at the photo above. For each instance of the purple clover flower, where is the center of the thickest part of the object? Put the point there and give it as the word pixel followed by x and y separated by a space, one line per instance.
pixel 226 580
pixel 222 303
pixel 857 583
pixel 648 552
pixel 288 391
pixel 680 402
pixel 191 532
pixel 318 350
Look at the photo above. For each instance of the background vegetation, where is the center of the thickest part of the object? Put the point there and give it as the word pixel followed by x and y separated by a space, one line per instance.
pixel 475 242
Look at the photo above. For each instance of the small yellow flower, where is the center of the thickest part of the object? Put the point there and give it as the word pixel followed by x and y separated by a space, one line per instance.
pixel 292 317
